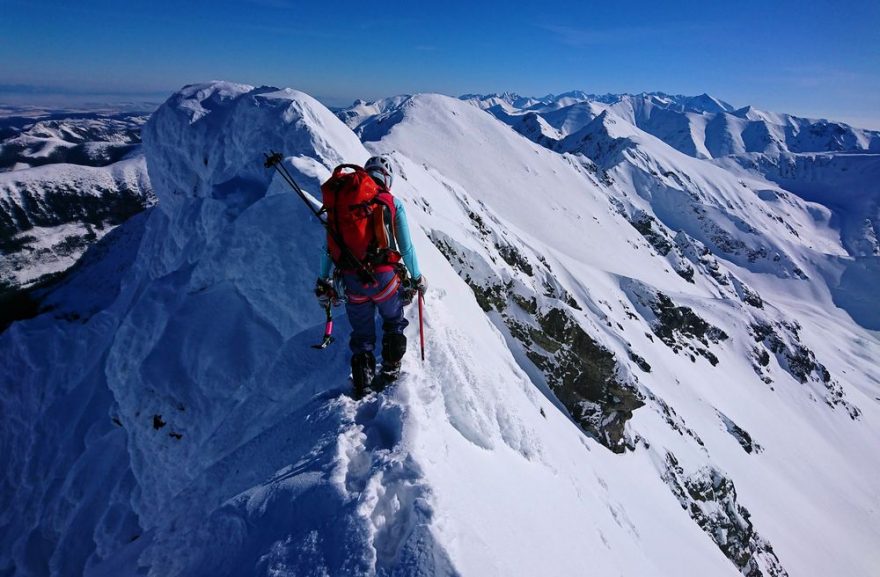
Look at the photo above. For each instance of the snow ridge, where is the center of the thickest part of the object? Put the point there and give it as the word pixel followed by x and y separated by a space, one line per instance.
pixel 613 368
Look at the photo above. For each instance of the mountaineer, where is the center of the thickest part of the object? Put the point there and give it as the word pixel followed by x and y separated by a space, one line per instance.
pixel 374 261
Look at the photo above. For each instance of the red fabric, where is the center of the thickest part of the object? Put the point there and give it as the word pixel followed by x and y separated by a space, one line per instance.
pixel 354 205
pixel 375 269
pixel 348 198
pixel 387 199
pixel 389 291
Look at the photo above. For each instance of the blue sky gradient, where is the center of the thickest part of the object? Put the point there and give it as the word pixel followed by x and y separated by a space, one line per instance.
pixel 812 58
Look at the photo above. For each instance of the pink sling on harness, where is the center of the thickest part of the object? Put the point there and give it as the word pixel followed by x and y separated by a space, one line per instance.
pixel 381 296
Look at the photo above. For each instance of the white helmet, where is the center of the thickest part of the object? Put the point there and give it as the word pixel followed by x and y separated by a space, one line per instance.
pixel 380 168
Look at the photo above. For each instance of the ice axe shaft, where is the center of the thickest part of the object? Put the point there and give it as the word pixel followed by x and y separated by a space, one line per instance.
pixel 328 330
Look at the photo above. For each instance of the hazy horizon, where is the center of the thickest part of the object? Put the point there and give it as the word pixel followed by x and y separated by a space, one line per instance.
pixel 814 59
pixel 40 98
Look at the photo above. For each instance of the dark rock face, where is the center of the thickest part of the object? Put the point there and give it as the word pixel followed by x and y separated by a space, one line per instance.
pixel 782 338
pixel 772 259
pixel 76 203
pixel 740 434
pixel 673 419
pixel 54 203
pixel 579 371
pixel 750 297
pixel 640 362
pixel 679 327
pixel 583 375
pixel 710 499
pixel 644 223
pixel 75 213
pixel 489 297
pixel 674 321
pixel 678 250
pixel 515 258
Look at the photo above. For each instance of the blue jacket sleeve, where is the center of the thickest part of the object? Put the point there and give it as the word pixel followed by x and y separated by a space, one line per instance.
pixel 325 261
pixel 404 240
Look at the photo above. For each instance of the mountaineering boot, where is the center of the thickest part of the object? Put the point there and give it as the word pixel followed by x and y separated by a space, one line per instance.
pixel 363 367
pixel 393 349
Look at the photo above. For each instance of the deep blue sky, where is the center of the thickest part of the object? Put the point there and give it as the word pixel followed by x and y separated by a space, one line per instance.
pixel 813 58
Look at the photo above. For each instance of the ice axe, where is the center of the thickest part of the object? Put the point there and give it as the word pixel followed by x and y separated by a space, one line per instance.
pixel 328 330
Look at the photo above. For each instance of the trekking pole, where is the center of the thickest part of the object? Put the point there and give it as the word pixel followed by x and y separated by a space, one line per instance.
pixel 421 325
pixel 328 330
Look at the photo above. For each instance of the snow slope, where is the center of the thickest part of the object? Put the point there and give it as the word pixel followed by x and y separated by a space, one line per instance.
pixel 66 179
pixel 775 155
pixel 50 214
pixel 586 403
pixel 722 201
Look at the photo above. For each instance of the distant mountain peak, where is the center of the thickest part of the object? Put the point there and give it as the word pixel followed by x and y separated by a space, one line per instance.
pixel 707 103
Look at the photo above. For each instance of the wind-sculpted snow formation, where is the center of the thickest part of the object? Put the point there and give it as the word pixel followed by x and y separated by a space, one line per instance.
pixel 634 366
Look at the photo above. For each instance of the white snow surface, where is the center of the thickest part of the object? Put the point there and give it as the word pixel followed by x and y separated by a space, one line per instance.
pixel 56 241
pixel 775 155
pixel 168 417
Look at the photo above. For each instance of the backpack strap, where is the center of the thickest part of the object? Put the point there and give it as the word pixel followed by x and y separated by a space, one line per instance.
pixel 387 220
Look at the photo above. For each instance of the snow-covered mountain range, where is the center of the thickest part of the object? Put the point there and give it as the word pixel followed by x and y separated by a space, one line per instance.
pixel 643 359
pixel 66 179
pixel 700 126
pixel 830 163
pixel 83 138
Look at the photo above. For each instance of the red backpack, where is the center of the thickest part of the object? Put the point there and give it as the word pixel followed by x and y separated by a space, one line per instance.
pixel 360 220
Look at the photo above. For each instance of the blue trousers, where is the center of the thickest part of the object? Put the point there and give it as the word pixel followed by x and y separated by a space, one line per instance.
pixel 363 301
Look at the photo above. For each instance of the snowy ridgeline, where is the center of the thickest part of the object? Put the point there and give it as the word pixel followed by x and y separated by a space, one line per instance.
pixel 66 179
pixel 700 126
pixel 635 365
